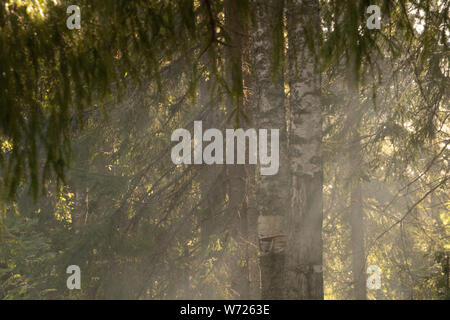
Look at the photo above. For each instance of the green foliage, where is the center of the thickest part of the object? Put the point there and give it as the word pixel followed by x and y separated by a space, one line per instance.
pixel 49 86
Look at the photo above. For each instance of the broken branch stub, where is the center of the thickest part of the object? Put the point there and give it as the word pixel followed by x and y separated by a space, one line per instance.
pixel 271 235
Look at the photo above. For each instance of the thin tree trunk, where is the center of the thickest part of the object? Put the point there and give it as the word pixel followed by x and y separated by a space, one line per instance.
pixel 356 220
pixel 356 201
pixel 236 174
pixel 212 197
pixel 304 278
pixel 253 251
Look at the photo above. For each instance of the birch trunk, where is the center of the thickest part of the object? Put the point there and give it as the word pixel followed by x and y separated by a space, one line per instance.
pixel 304 278
pixel 272 192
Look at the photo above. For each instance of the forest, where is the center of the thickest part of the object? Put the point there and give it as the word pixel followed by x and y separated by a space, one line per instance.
pixel 225 149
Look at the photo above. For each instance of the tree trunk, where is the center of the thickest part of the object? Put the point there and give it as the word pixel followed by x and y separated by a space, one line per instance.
pixel 236 174
pixel 304 278
pixel 356 220
pixel 272 191
pixel 355 162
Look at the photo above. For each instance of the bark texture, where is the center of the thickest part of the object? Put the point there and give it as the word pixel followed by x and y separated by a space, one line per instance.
pixel 304 278
pixel 272 192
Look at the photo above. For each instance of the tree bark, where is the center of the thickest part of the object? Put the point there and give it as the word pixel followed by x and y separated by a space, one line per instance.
pixel 304 278
pixel 272 192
